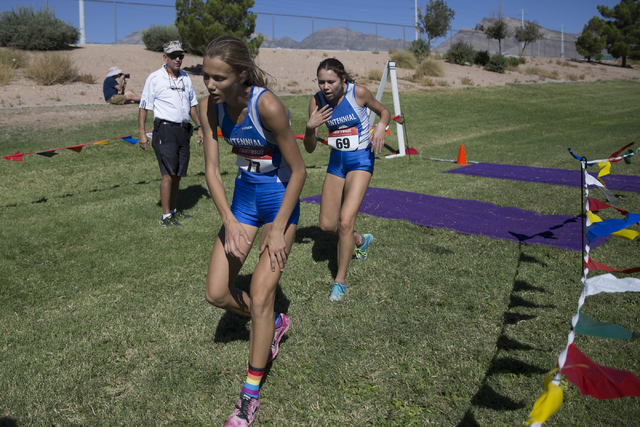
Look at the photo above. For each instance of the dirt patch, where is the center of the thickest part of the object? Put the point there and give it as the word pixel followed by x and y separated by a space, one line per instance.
pixel 25 104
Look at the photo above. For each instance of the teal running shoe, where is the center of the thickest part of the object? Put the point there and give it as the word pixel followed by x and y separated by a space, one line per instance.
pixel 338 292
pixel 361 252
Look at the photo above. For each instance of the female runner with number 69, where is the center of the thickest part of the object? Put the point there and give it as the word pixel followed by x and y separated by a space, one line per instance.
pixel 342 106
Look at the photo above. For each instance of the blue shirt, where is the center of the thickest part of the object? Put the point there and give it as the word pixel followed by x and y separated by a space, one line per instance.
pixel 109 87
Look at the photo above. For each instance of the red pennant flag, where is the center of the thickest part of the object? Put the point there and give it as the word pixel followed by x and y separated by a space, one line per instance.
pixel 593 265
pixel 16 157
pixel 596 205
pixel 598 381
pixel 620 151
pixel 76 148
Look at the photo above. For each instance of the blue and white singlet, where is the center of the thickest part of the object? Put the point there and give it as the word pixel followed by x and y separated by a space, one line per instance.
pixel 259 158
pixel 348 121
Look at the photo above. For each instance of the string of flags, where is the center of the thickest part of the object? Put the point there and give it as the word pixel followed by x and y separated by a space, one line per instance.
pixel 17 157
pixel 591 378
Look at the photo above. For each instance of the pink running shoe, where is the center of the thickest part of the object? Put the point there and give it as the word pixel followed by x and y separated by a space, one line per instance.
pixel 277 336
pixel 244 414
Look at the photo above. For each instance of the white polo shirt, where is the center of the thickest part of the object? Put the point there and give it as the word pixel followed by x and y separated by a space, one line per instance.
pixel 170 98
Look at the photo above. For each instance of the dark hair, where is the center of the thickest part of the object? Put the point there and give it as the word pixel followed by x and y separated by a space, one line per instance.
pixel 235 53
pixel 332 64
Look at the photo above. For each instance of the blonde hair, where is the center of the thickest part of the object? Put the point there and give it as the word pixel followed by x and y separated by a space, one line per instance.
pixel 235 53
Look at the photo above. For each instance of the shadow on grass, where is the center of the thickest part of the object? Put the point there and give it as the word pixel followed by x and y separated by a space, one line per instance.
pixel 8 422
pixel 324 247
pixel 233 327
pixel 190 196
pixel 486 396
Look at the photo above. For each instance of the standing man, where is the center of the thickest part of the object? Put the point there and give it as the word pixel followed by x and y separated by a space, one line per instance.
pixel 169 93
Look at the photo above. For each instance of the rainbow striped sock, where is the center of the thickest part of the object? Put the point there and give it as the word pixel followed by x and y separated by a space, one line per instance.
pixel 252 384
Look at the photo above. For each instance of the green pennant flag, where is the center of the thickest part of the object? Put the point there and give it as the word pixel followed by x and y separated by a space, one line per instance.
pixel 587 326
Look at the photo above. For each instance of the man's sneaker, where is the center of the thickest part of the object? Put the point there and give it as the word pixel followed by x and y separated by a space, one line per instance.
pixel 277 336
pixel 169 221
pixel 361 252
pixel 244 413
pixel 181 215
pixel 338 292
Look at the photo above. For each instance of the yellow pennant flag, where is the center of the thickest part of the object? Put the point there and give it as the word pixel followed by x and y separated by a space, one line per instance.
pixel 605 169
pixel 105 142
pixel 548 404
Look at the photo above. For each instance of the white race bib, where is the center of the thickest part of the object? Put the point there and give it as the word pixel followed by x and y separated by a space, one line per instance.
pixel 344 139
pixel 258 160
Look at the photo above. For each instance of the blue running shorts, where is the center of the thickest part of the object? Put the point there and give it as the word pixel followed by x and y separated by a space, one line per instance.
pixel 343 162
pixel 258 204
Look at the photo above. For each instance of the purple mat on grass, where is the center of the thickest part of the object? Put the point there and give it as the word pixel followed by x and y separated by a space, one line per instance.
pixel 566 177
pixel 473 217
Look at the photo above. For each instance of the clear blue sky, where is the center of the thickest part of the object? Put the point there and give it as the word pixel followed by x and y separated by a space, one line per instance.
pixel 100 26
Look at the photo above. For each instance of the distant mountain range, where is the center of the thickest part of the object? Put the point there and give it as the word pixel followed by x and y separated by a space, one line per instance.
pixel 340 38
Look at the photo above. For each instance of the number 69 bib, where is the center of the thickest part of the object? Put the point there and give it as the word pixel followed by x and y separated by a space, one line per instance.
pixel 344 139
pixel 258 160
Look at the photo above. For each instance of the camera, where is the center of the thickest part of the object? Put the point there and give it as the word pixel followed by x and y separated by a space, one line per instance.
pixel 126 76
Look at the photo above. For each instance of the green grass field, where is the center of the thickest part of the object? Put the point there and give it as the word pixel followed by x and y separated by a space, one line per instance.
pixel 104 321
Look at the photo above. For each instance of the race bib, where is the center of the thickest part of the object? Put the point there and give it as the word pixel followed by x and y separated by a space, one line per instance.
pixel 257 160
pixel 344 139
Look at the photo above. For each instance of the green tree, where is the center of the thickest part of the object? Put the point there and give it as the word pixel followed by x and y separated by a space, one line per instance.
pixel 622 29
pixel 435 22
pixel 198 22
pixel 498 30
pixel 590 43
pixel 529 34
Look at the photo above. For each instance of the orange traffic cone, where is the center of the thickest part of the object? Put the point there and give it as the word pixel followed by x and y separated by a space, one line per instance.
pixel 462 157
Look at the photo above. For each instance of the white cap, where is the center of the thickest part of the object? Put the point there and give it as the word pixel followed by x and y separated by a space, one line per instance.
pixel 114 71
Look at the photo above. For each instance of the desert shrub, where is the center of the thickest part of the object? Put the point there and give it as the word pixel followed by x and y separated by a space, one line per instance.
pixel 461 53
pixel 29 29
pixel 52 68
pixel 466 80
pixel 497 63
pixel 419 48
pixel 543 73
pixel 13 58
pixel 482 58
pixel 572 77
pixel 424 81
pixel 6 74
pixel 514 61
pixel 443 83
pixel 374 74
pixel 522 59
pixel 403 59
pixel 156 36
pixel 429 68
pixel 86 78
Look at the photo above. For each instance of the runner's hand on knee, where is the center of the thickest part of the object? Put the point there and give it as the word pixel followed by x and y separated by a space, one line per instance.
pixel 277 249
pixel 234 235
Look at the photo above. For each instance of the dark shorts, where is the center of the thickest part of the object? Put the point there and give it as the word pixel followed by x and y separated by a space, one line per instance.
pixel 171 144
pixel 258 204
pixel 343 162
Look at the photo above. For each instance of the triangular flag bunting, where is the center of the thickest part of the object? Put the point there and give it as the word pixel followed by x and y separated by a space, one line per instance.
pixel 598 381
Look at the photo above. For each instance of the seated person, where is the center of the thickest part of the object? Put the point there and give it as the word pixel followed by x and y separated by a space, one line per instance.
pixel 114 88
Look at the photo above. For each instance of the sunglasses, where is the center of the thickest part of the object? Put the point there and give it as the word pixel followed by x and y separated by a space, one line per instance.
pixel 174 56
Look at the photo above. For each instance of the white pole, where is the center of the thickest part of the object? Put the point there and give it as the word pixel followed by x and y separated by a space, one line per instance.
pixel 522 44
pixel 562 42
pixel 416 22
pixel 83 34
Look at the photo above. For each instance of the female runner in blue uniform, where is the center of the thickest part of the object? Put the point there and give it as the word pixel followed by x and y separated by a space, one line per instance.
pixel 270 177
pixel 342 106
